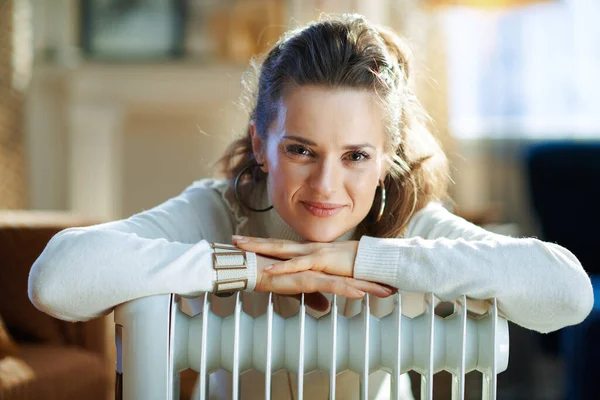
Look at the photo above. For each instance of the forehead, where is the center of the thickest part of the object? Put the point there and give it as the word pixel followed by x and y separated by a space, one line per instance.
pixel 332 115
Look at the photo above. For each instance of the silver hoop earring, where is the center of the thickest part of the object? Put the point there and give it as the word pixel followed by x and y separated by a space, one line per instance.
pixel 236 189
pixel 382 201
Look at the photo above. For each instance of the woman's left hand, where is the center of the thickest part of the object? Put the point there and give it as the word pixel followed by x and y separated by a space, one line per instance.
pixel 336 258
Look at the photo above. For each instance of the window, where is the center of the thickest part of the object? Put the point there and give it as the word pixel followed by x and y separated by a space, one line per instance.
pixel 530 72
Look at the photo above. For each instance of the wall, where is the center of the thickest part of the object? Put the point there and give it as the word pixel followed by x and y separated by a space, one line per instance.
pixel 111 140
pixel 12 166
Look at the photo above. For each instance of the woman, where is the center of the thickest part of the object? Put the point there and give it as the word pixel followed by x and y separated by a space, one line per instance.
pixel 339 176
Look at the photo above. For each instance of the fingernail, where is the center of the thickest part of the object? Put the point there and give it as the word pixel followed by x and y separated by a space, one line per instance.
pixel 239 239
pixel 268 267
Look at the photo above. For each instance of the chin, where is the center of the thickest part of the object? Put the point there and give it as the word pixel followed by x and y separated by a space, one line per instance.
pixel 320 237
pixel 319 233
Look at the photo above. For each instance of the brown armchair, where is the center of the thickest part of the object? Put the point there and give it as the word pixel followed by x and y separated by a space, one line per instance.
pixel 56 359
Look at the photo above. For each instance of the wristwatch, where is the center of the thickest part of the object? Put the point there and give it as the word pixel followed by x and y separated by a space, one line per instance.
pixel 232 269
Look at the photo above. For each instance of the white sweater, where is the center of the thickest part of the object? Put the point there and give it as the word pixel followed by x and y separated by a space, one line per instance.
pixel 84 272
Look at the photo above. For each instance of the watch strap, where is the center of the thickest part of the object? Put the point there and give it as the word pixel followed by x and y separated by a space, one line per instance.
pixel 230 264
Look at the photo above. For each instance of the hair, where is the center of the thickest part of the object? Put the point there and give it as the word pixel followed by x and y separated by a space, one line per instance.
pixel 348 52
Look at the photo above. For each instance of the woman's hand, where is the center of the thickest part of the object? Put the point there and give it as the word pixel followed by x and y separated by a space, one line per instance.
pixel 288 267
pixel 336 258
pixel 313 284
pixel 315 300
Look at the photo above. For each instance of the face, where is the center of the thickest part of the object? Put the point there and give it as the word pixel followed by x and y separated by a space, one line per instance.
pixel 324 156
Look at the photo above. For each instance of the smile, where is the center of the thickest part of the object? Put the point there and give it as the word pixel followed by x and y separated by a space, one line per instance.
pixel 322 210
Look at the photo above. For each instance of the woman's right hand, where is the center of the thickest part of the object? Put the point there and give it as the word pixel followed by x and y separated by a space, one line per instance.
pixel 314 283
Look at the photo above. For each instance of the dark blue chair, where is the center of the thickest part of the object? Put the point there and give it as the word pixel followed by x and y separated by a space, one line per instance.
pixel 564 182
pixel 581 353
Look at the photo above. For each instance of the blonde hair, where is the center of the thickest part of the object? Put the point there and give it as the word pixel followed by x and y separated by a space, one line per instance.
pixel 349 52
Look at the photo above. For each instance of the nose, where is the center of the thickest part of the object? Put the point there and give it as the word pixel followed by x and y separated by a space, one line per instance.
pixel 325 177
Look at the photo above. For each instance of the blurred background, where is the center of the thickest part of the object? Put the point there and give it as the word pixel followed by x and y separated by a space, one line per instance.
pixel 109 107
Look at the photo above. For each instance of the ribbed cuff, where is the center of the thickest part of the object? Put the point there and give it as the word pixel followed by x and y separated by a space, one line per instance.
pixel 376 261
pixel 251 262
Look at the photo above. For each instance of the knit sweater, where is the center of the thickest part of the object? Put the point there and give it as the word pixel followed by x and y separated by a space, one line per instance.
pixel 85 272
pixel 540 286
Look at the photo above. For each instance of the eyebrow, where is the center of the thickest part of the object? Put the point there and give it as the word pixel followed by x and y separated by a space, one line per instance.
pixel 311 143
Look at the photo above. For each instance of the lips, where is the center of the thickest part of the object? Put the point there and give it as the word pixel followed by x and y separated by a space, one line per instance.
pixel 322 210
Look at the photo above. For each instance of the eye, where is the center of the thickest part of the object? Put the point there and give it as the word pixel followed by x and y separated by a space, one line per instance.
pixel 297 150
pixel 357 156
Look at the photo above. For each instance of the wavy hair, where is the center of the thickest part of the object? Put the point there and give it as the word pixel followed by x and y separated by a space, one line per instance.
pixel 347 51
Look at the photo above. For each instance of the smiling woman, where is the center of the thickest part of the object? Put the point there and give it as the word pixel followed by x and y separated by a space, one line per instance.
pixel 325 158
pixel 335 187
pixel 351 98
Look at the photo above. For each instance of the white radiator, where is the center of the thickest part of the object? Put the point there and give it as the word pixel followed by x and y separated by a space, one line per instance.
pixel 156 341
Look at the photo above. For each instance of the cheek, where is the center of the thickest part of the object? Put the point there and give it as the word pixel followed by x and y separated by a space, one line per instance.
pixel 285 178
pixel 361 193
pixel 361 188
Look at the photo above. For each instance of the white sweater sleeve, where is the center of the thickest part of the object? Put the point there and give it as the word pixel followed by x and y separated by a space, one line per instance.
pixel 538 285
pixel 84 272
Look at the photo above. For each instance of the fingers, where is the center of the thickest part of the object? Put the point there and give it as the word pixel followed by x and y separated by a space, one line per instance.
pixel 371 287
pixel 308 282
pixel 278 248
pixel 313 281
pixel 320 260
pixel 393 289
pixel 297 264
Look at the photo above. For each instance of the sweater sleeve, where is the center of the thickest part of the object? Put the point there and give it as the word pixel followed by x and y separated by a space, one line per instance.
pixel 84 272
pixel 540 286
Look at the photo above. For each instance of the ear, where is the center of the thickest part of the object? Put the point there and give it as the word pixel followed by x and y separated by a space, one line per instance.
pixel 258 147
